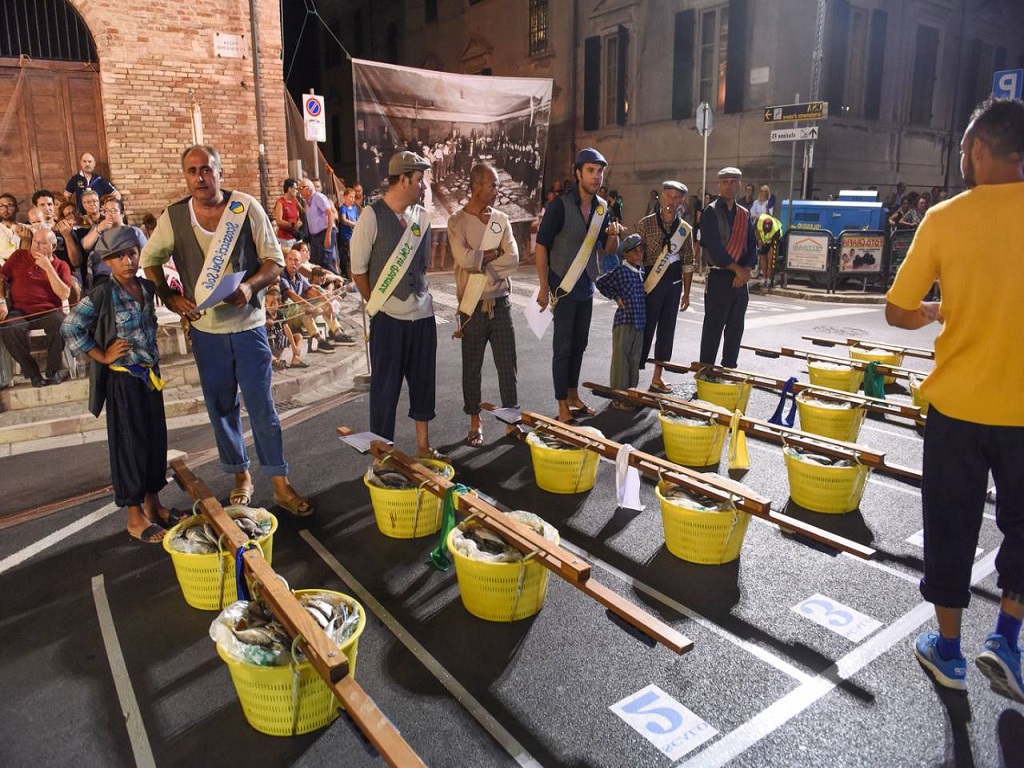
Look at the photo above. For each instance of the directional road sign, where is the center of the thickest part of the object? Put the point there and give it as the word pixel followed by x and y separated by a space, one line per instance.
pixel 811 110
pixel 795 134
pixel 1007 83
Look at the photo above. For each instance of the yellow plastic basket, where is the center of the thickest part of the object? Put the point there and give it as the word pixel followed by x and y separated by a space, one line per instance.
pixel 916 397
pixel 837 423
pixel 892 359
pixel 731 395
pixel 500 591
pixel 410 512
pixel 208 581
pixel 832 490
pixel 846 378
pixel 562 471
pixel 266 692
pixel 705 538
pixel 692 445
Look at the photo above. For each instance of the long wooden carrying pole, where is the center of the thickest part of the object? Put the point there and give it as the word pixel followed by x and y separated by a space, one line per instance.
pixel 772 384
pixel 564 564
pixel 762 430
pixel 719 488
pixel 327 659
pixel 857 365
pixel 919 352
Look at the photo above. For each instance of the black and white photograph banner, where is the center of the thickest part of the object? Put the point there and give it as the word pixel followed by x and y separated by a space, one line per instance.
pixel 454 121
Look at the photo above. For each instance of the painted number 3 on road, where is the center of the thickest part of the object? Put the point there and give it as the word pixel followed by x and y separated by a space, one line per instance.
pixel 663 721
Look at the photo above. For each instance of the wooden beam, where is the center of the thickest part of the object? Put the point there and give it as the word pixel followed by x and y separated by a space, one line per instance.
pixel 924 354
pixel 857 365
pixel 327 659
pixel 772 384
pixel 719 488
pixel 549 554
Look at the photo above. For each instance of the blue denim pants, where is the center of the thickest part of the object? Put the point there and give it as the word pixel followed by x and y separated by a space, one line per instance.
pixel 233 362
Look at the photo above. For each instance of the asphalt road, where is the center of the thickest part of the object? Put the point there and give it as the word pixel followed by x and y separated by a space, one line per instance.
pixel 778 676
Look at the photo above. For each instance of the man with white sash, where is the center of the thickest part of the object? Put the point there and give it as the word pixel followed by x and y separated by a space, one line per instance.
pixel 575 226
pixel 213 235
pixel 390 248
pixel 727 242
pixel 668 267
pixel 486 257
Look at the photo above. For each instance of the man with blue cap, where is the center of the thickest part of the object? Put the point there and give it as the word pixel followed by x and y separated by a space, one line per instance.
pixel 575 227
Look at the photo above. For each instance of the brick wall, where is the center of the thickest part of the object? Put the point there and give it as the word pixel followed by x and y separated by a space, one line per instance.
pixel 154 58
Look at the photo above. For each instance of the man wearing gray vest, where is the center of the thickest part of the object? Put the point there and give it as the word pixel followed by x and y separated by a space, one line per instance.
pixel 213 234
pixel 727 240
pixel 575 226
pixel 389 251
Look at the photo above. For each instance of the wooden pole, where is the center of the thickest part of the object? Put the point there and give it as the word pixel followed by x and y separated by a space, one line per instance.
pixel 327 659
pixel 549 554
pixel 924 354
pixel 857 365
pixel 772 384
pixel 720 489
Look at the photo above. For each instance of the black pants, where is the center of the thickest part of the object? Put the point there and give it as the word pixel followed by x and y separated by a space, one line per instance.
pixel 14 334
pixel 958 455
pixel 569 342
pixel 137 435
pixel 725 308
pixel 662 308
pixel 401 350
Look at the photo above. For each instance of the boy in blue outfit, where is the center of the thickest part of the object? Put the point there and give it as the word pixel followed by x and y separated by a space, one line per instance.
pixel 625 284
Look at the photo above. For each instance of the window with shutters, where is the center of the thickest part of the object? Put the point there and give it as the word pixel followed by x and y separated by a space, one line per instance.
pixel 922 88
pixel 605 80
pixel 712 47
pixel 858 92
pixel 609 79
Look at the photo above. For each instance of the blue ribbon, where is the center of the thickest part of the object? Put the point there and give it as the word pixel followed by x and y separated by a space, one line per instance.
pixel 777 417
pixel 241 587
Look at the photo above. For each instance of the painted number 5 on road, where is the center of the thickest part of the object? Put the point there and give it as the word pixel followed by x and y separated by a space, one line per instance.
pixel 663 721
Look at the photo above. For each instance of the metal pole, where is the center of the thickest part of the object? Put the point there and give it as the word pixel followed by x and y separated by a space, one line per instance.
pixel 254 30
pixel 704 172
pixel 792 173
pixel 819 44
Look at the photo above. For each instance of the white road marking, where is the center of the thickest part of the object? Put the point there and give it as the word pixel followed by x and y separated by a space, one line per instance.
pixel 792 704
pixel 905 435
pixel 458 692
pixel 766 656
pixel 56 537
pixel 799 317
pixel 122 682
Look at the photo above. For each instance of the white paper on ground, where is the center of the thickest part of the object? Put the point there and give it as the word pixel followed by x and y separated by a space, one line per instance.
pixel 228 285
pixel 508 415
pixel 538 319
pixel 361 440
pixel 627 480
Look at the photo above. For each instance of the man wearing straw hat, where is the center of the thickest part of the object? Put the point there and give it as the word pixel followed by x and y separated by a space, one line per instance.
pixel 727 242
pixel 975 415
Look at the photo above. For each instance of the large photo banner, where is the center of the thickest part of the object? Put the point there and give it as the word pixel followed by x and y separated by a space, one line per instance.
pixel 454 121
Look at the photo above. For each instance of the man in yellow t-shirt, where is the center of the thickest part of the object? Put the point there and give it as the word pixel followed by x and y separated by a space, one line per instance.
pixel 971 243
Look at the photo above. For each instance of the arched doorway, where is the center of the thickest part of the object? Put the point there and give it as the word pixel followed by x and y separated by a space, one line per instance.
pixel 50 100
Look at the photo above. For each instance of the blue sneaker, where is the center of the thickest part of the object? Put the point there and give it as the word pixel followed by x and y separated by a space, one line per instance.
pixel 1001 666
pixel 951 673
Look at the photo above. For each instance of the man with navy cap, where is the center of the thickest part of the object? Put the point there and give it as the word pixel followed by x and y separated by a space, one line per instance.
pixel 668 267
pixel 574 228
pixel 727 241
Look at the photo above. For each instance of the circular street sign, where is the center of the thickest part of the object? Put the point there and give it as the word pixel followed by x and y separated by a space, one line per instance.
pixel 313 107
pixel 705 118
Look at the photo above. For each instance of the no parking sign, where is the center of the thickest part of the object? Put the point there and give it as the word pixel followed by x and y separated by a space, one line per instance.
pixel 313 117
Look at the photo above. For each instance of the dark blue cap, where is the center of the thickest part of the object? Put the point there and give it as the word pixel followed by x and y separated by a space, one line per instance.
pixel 590 155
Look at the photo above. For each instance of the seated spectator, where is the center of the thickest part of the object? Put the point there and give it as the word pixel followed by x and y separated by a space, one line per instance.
pixel 35 285
pixel 304 302
pixel 86 179
pixel 280 336
pixel 914 216
pixel 148 225
pixel 897 215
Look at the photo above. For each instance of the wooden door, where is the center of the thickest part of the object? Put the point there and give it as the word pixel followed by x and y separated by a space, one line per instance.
pixel 53 114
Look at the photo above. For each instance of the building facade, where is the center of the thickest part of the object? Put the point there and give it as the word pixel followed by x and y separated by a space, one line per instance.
pixel 94 76
pixel 900 78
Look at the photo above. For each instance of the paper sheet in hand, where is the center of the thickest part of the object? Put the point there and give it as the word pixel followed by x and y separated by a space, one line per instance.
pixel 508 415
pixel 538 319
pixel 228 285
pixel 361 440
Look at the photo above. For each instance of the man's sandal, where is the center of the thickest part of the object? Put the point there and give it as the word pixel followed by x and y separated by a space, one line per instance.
pixel 151 534
pixel 435 455
pixel 296 505
pixel 475 438
pixel 241 495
